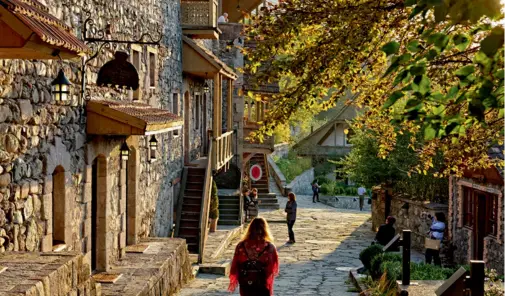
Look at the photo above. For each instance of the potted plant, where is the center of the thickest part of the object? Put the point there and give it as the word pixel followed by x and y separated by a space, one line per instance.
pixel 214 208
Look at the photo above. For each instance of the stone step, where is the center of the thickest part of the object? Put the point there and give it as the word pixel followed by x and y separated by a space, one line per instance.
pixel 216 268
pixel 229 211
pixel 269 206
pixel 228 222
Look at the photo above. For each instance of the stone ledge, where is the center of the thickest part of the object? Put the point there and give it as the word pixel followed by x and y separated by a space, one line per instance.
pixel 216 268
pixel 355 277
pixel 160 270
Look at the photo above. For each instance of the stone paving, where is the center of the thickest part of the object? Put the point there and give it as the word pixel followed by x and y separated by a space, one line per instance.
pixel 328 244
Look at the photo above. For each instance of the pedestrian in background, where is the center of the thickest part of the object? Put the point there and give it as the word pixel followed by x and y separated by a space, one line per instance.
pixel 436 233
pixel 315 190
pixel 291 216
pixel 223 18
pixel 361 194
pixel 256 262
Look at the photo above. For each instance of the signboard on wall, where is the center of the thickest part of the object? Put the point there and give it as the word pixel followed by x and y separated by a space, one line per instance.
pixel 255 172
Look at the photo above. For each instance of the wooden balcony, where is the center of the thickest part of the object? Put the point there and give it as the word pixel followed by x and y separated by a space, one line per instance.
pixel 222 151
pixel 255 146
pixel 199 19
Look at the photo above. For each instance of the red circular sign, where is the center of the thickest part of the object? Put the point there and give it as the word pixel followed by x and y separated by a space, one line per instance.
pixel 255 172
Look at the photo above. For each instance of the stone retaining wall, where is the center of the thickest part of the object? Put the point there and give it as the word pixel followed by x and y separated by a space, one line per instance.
pixel 281 150
pixel 46 274
pixel 302 183
pixel 345 202
pixel 406 218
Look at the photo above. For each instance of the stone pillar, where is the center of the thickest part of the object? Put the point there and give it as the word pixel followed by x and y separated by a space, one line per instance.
pixel 131 203
pixel 122 207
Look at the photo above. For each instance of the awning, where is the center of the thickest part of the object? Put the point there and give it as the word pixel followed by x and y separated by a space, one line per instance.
pixel 200 61
pixel 128 118
pixel 29 31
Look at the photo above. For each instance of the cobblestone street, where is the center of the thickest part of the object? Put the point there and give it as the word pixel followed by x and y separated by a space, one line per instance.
pixel 328 244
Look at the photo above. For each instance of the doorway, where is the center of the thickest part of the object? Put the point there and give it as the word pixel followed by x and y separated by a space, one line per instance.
pixel 187 128
pixel 94 208
pixel 479 230
pixel 204 126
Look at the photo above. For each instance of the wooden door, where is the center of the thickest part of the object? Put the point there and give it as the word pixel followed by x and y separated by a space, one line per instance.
pixel 479 229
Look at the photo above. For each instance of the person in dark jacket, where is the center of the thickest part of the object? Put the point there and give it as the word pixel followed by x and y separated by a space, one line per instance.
pixel 291 216
pixel 386 231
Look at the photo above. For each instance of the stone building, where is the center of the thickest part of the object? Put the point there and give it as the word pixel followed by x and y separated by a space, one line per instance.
pixel 475 221
pixel 66 188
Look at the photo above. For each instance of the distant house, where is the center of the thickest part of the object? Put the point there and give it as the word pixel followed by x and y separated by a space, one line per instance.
pixel 330 139
pixel 475 221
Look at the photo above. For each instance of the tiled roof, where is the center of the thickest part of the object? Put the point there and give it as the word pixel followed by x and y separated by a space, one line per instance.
pixel 496 152
pixel 50 29
pixel 141 111
pixel 209 55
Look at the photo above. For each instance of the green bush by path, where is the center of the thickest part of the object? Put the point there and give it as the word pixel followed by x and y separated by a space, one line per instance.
pixel 293 166
pixel 214 202
pixel 376 269
pixel 369 253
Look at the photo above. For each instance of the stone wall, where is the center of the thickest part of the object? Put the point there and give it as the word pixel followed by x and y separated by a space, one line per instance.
pixel 410 218
pixel 462 236
pixel 345 202
pixel 39 138
pixel 302 183
pixel 277 174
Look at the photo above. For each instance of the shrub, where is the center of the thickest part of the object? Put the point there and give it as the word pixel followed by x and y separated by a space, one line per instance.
pixel 422 271
pixel 328 189
pixel 214 202
pixel 368 254
pixel 292 166
pixel 376 265
pixel 322 180
pixel 339 190
pixel 393 269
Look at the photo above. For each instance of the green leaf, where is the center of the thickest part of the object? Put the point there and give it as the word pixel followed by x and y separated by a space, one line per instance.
pixel 392 68
pixel 464 71
pixel 395 96
pixel 418 70
pixel 429 133
pixel 432 54
pixel 476 109
pixel 489 102
pixel 417 10
pixel 440 13
pixel 500 113
pixel 391 48
pixel 493 42
pixel 402 76
pixel 413 103
pixel 452 128
pixel 452 92
pixel 410 2
pixel 421 84
pixel 461 41
pixel 404 58
pixel 414 46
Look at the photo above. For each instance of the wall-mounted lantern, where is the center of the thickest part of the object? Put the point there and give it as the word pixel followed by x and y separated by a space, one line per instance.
pixel 124 151
pixel 206 87
pixel 153 145
pixel 60 87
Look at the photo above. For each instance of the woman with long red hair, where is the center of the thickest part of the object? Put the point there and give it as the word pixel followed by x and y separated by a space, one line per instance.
pixel 255 263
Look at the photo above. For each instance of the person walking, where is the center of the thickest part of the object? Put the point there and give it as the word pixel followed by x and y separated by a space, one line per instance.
pixel 255 262
pixel 437 233
pixel 291 216
pixel 361 194
pixel 315 190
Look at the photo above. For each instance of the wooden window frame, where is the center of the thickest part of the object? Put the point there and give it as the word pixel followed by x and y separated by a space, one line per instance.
pixel 175 100
pixel 468 197
pixel 136 95
pixel 492 219
pixel 150 85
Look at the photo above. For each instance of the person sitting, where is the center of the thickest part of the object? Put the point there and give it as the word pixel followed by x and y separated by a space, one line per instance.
pixel 223 18
pixel 386 232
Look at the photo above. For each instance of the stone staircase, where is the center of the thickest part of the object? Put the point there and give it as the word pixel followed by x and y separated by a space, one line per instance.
pixel 268 201
pixel 191 208
pixel 229 210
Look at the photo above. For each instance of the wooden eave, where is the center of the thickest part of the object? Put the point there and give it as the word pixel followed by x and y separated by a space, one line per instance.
pixel 235 15
pixel 199 62
pixel 103 120
pixel 31 37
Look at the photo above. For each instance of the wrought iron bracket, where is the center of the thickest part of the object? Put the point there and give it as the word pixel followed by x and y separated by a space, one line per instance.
pixel 99 38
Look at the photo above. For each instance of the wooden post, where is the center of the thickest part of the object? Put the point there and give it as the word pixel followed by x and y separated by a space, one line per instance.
pixel 249 108
pixel 406 257
pixel 477 277
pixel 220 104
pixel 215 103
pixel 229 107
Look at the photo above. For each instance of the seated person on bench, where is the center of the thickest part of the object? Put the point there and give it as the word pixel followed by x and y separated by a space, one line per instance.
pixel 386 232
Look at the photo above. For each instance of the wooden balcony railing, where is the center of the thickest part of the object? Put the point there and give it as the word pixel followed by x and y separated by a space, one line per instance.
pixel 199 13
pixel 223 150
pixel 255 145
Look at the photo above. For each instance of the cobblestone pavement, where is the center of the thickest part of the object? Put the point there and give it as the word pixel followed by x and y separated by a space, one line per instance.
pixel 328 242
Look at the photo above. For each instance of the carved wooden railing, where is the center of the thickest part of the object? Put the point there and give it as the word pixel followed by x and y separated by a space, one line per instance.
pixel 199 13
pixel 223 150
pixel 204 212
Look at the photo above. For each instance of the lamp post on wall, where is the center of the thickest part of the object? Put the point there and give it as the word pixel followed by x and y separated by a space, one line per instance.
pixel 60 87
pixel 206 87
pixel 124 151
pixel 153 145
